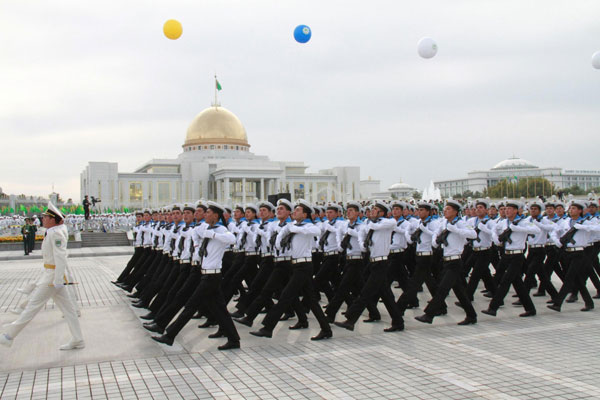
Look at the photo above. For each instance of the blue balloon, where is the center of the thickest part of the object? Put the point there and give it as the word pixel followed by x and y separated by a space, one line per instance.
pixel 302 33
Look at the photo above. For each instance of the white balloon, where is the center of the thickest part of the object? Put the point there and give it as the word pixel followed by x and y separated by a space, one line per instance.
pixel 596 60
pixel 427 47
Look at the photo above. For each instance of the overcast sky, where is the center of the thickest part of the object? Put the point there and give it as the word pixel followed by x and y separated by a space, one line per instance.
pixel 98 81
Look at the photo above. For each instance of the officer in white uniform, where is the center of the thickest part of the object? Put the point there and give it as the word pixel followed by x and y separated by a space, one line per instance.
pixel 51 284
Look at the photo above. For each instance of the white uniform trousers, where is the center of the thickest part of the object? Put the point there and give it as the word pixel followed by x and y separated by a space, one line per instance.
pixel 37 300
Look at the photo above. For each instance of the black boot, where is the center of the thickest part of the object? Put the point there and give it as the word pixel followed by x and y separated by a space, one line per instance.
pixel 163 339
pixel 322 335
pixel 299 325
pixel 230 345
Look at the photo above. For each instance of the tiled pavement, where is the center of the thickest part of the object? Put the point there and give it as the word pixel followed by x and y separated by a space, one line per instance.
pixel 17 255
pixel 549 356
pixel 92 275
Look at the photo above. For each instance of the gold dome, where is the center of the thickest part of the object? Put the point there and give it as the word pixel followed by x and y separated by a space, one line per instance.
pixel 216 125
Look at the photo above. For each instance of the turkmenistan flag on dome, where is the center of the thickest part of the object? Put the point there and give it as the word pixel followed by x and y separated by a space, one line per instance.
pixel 218 85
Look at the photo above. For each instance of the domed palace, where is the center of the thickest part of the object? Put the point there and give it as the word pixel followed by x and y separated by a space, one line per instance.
pixel 216 164
pixel 514 169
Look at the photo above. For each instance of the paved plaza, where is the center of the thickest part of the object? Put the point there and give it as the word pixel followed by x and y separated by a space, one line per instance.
pixel 553 355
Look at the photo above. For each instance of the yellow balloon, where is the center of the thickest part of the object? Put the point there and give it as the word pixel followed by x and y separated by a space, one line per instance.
pixel 172 29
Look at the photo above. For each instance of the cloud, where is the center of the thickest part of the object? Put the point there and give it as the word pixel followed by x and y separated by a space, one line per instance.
pixel 83 83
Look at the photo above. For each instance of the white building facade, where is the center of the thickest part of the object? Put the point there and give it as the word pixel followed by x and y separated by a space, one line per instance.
pixel 477 181
pixel 216 164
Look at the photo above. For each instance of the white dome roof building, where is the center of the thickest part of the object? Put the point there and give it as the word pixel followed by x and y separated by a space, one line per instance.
pixel 513 163
pixel 514 169
pixel 216 164
pixel 401 190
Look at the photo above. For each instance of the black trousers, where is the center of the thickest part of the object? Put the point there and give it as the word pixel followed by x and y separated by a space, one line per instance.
pixel 512 276
pixel 591 254
pixel 422 274
pixel 153 269
pixel 595 250
pixel 575 279
pixel 163 292
pixel 207 296
pixel 466 259
pixel 137 252
pixel 317 259
pixel 265 270
pixel 227 262
pixel 158 280
pixel 410 259
pixel 140 267
pixel 495 256
pixel 247 273
pixel 536 267
pixel 481 271
pixel 552 264
pixel 227 284
pixel 349 289
pixel 170 309
pixel 534 263
pixel 451 278
pixel 397 270
pixel 376 287
pixel 300 283
pixel 276 282
pixel 500 267
pixel 184 273
pixel 327 275
pixel 589 268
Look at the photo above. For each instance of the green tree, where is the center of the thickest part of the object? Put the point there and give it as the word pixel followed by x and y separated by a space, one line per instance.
pixel 574 190
pixel 522 187
pixel 416 195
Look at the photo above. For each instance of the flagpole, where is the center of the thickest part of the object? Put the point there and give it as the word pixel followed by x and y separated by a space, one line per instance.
pixel 216 90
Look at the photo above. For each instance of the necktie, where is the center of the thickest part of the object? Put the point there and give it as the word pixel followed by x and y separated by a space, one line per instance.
pixel 369 239
pixel 202 252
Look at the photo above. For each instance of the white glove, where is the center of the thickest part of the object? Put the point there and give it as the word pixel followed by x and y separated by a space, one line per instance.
pixel 577 226
pixel 451 228
pixel 480 225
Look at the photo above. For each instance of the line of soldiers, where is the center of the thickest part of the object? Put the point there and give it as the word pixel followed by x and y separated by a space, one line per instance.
pixel 190 261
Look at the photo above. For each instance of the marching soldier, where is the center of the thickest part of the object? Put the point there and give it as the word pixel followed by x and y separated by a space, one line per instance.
pixel 215 239
pixel 299 237
pixel 513 232
pixel 574 238
pixel 266 210
pixel 329 244
pixel 352 277
pixel 137 246
pixel 282 269
pixel 422 235
pixel 399 245
pixel 536 251
pixel 482 248
pixel 377 233
pixel 452 235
